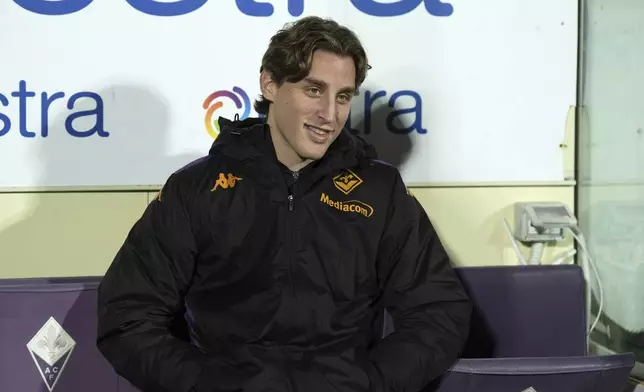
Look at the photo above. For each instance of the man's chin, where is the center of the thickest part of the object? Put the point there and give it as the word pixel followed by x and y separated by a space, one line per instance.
pixel 320 153
pixel 314 151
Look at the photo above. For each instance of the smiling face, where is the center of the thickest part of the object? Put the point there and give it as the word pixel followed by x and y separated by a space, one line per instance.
pixel 305 117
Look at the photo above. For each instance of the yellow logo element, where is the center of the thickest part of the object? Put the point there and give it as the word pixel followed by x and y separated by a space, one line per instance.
pixel 225 182
pixel 347 181
pixel 357 206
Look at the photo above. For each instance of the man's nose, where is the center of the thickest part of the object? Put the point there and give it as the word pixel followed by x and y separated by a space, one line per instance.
pixel 326 110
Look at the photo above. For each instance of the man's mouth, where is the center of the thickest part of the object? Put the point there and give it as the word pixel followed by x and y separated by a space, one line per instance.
pixel 318 130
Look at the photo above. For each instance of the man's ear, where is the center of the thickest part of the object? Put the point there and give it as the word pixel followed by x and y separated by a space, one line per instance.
pixel 267 85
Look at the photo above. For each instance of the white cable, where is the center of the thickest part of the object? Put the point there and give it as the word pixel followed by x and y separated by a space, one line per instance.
pixel 514 242
pixel 536 251
pixel 588 261
pixel 563 256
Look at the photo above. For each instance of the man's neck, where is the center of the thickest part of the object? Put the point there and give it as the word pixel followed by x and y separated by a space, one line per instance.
pixel 285 154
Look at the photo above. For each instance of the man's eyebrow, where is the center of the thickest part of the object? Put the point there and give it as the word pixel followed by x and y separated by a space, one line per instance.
pixel 315 81
pixel 323 84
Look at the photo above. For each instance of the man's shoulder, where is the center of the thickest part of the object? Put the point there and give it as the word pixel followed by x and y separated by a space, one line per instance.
pixel 193 168
pixel 196 170
pixel 381 172
pixel 186 178
pixel 385 166
pixel 384 178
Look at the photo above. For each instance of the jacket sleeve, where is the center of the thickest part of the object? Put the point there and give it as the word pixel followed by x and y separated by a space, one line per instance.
pixel 141 293
pixel 423 294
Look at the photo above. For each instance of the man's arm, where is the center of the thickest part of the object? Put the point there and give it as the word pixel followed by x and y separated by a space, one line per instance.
pixel 142 293
pixel 430 309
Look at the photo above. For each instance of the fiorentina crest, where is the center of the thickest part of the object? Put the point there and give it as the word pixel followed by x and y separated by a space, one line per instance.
pixel 50 349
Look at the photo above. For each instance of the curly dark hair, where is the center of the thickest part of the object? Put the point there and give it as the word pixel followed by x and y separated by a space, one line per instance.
pixel 290 52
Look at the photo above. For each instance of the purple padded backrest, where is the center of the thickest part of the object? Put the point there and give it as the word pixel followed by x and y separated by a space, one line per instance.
pixel 520 311
pixel 524 311
pixel 607 373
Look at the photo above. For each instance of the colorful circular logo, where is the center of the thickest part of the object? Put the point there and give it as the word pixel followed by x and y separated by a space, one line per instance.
pixel 211 104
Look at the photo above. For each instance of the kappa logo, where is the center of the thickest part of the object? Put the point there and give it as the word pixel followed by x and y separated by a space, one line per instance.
pixel 347 181
pixel 357 206
pixel 51 347
pixel 225 182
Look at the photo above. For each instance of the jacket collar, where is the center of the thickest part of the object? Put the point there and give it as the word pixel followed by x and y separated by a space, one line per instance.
pixel 250 139
pixel 248 142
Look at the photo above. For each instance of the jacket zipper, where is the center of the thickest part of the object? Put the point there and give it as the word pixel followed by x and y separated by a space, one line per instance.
pixel 296 175
pixel 292 245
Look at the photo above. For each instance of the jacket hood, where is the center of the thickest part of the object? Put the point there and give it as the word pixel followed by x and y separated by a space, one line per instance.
pixel 250 138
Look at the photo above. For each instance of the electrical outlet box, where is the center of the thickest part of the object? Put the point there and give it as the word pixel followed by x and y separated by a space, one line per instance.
pixel 542 221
